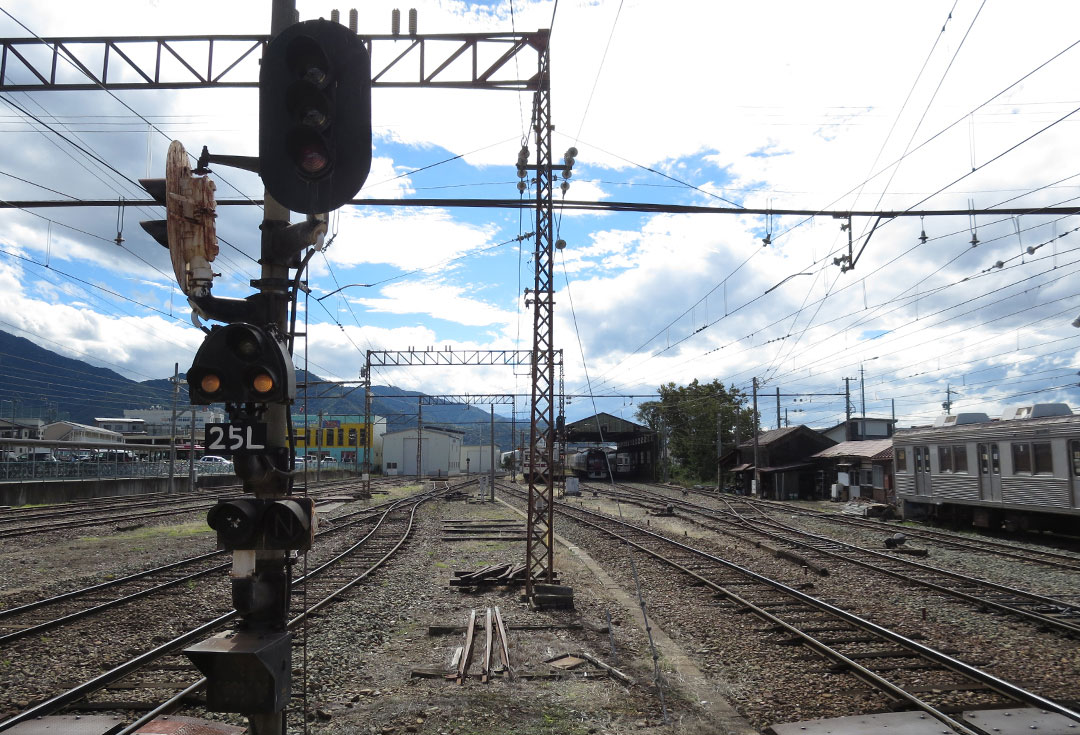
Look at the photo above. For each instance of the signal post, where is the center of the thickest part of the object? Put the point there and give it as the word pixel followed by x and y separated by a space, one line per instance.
pixel 314 155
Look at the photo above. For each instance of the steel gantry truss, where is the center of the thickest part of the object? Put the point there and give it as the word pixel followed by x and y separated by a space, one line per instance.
pixel 539 555
pixel 448 60
pixel 398 358
pixel 456 61
pixel 542 359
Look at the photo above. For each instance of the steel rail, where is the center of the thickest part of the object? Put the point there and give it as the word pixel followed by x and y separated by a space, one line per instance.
pixel 350 519
pixel 197 504
pixel 996 684
pixel 176 700
pixel 74 694
pixel 983 545
pixel 1068 609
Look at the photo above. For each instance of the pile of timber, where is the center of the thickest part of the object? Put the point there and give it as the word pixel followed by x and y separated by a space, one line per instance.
pixel 492 529
pixel 490 576
pixel 495 659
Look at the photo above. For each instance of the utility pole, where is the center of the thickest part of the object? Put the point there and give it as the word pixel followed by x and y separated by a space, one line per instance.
pixel 757 469
pixel 172 431
pixel 513 445
pixel 847 407
pixel 369 429
pixel 191 455
pixel 862 390
pixel 719 447
pixel 492 448
pixel 949 393
pixel 778 407
pixel 419 439
pixel 318 447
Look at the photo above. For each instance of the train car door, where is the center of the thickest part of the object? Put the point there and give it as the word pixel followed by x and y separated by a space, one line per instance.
pixel 989 472
pixel 922 470
pixel 1074 472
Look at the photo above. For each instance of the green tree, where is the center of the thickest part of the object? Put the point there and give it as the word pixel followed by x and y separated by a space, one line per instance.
pixel 689 416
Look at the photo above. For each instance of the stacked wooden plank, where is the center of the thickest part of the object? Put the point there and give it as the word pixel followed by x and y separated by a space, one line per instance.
pixel 490 576
pixel 495 658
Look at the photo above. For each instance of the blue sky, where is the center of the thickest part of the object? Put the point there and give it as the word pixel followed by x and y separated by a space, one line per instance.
pixel 781 105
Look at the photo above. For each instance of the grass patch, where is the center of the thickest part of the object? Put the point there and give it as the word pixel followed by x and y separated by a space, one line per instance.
pixel 182 530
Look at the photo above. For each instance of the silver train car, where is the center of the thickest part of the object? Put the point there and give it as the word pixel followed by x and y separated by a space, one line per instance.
pixel 1019 472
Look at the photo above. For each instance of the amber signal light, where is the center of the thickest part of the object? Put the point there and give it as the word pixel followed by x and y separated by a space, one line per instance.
pixel 263 383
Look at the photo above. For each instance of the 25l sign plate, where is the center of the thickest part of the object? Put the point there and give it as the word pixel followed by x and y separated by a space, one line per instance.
pixel 235 438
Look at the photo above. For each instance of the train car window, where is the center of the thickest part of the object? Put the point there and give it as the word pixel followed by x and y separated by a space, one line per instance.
pixel 944 456
pixel 1043 458
pixel 918 459
pixel 1021 455
pixel 901 460
pixel 984 460
pixel 959 453
pixel 995 458
pixel 1074 451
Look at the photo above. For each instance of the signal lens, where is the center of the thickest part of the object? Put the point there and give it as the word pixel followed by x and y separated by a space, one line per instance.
pixel 210 383
pixel 312 158
pixel 263 383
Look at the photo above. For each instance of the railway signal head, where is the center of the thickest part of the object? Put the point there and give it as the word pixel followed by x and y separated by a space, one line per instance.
pixel 252 523
pixel 315 116
pixel 241 363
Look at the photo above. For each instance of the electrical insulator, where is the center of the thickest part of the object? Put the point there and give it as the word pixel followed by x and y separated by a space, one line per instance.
pixel 395 22
pixel 412 21
pixel 565 185
pixel 522 173
pixel 560 244
pixel 354 20
pixel 335 16
pixel 521 187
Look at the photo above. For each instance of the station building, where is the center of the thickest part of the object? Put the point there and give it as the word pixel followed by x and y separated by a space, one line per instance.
pixel 344 437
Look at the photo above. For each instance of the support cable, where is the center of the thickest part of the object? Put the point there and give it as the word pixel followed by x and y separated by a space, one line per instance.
pixel 657 676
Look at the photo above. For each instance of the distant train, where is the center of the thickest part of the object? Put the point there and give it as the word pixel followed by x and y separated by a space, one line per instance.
pixel 589 464
pixel 520 461
pixel 1021 471
pixel 598 464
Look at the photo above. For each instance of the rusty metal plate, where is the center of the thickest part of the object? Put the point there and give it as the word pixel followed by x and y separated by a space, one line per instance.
pixel 1023 720
pixel 70 725
pixel 169 725
pixel 894 723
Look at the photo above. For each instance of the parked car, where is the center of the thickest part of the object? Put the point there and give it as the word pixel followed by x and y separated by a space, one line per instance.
pixel 44 456
pixel 212 460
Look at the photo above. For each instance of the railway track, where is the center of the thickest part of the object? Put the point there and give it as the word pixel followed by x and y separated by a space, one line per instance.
pixel 161 680
pixel 1047 612
pixel 15 523
pixel 44 615
pixel 907 674
pixel 966 542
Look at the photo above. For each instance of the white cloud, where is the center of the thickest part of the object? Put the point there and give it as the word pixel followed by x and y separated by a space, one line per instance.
pixel 439 301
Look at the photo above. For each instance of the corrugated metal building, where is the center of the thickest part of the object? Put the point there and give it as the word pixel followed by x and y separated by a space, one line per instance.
pixel 440 452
